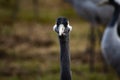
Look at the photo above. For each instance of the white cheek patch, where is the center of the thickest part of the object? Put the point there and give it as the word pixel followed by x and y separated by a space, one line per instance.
pixel 117 1
pixel 61 29
pixel 70 27
pixel 54 27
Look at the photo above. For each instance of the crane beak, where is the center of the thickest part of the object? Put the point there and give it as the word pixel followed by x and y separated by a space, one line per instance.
pixel 103 2
pixel 61 29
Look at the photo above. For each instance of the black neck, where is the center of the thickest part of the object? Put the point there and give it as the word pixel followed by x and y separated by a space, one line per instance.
pixel 65 57
pixel 115 17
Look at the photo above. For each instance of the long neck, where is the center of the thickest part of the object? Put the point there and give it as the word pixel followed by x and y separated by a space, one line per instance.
pixel 65 58
pixel 115 17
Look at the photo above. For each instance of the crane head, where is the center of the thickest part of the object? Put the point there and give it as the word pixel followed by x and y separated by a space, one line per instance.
pixel 62 26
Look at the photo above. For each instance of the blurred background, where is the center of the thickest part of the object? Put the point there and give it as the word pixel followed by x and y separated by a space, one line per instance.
pixel 29 48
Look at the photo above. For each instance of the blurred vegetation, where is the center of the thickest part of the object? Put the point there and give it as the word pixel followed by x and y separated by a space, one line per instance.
pixel 29 48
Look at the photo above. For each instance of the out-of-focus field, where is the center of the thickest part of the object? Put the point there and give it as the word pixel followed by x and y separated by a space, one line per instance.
pixel 29 50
